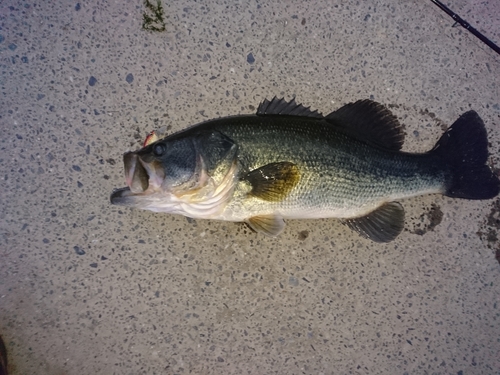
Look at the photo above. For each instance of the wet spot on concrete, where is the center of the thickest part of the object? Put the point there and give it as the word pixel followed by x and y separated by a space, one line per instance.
pixel 428 220
pixel 489 230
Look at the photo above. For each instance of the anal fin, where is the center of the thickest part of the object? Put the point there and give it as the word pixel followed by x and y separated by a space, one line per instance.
pixel 270 225
pixel 381 225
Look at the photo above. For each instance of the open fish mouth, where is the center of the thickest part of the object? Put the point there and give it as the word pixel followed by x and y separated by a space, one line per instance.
pixel 143 176
pixel 142 179
pixel 135 174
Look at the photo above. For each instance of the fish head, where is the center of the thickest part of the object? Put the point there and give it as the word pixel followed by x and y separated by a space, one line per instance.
pixel 191 173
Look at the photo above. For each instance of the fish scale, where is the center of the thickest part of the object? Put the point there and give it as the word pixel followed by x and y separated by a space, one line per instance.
pixel 337 172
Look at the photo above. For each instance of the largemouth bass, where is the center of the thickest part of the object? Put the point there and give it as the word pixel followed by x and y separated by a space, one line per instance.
pixel 289 162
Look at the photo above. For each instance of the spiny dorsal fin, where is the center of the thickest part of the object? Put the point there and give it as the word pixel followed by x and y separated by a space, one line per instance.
pixel 270 225
pixel 382 225
pixel 371 122
pixel 273 182
pixel 282 107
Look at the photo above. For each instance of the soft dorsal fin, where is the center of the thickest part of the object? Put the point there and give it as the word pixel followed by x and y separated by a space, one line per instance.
pixel 273 182
pixel 371 122
pixel 282 107
pixel 270 225
pixel 382 225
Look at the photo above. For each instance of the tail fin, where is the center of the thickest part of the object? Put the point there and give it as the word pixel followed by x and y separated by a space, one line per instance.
pixel 464 148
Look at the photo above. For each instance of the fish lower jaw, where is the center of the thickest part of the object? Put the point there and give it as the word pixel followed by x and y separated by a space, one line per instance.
pixel 174 205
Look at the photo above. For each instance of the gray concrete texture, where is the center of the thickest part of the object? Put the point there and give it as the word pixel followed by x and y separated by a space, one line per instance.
pixel 90 288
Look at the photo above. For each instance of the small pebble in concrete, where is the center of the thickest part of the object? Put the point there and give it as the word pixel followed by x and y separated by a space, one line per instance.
pixel 79 250
pixel 250 58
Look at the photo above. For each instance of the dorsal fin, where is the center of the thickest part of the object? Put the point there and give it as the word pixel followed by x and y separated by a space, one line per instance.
pixel 371 122
pixel 282 107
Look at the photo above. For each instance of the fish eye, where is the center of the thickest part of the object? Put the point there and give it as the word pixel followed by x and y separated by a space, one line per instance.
pixel 159 149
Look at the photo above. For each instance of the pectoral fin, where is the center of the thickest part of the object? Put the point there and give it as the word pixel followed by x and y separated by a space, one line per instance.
pixel 270 225
pixel 273 182
pixel 382 225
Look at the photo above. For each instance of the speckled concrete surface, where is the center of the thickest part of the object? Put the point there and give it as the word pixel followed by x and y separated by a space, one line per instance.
pixel 90 288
